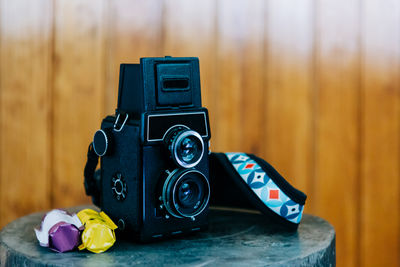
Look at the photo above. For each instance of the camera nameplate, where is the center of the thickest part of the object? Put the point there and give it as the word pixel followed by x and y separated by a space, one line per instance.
pixel 158 124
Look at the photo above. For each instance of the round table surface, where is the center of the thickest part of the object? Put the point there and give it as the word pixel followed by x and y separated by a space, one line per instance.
pixel 234 238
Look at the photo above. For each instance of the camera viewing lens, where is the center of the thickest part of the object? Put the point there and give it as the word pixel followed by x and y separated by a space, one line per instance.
pixel 188 149
pixel 186 146
pixel 186 193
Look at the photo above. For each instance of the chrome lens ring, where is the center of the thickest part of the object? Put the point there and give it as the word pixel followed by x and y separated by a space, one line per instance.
pixel 176 143
pixel 170 189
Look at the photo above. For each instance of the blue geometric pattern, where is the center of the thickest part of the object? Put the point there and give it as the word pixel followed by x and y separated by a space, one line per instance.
pixel 263 186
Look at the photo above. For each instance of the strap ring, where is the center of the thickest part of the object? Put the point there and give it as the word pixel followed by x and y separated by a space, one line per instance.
pixel 123 124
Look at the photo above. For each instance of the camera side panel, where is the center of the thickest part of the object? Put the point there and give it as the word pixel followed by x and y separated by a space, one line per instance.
pixel 121 173
pixel 130 89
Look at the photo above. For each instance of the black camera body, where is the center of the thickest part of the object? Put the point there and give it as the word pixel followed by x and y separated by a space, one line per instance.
pixel 154 174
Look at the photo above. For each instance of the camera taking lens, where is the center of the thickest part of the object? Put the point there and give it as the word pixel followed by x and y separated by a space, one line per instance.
pixel 185 193
pixel 186 146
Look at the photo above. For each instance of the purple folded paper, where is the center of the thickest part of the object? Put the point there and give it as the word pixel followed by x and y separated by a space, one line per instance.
pixel 60 231
pixel 64 237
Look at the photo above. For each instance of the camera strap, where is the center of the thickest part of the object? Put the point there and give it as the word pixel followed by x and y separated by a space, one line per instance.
pixel 234 175
pixel 91 184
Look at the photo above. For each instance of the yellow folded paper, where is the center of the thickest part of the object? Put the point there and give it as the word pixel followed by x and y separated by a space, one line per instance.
pixel 98 235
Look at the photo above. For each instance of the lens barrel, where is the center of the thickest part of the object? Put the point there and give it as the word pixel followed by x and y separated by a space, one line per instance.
pixel 185 193
pixel 186 146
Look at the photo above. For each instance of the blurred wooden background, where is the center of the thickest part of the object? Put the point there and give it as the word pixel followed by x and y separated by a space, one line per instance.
pixel 311 86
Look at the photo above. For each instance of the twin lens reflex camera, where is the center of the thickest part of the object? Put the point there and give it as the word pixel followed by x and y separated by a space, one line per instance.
pixel 154 173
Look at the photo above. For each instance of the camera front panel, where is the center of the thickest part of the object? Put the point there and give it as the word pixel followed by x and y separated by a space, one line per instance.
pixel 175 194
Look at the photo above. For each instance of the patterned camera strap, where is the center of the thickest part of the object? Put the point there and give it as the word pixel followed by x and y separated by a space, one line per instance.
pixel 265 188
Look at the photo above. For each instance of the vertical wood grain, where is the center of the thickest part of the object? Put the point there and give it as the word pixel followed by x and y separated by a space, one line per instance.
pixel 134 30
pixel 78 93
pixel 193 34
pixel 336 185
pixel 289 89
pixel 380 228
pixel 239 89
pixel 25 69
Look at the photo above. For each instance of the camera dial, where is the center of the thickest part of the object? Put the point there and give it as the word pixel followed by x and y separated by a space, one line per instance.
pixel 118 186
pixel 186 146
pixel 185 193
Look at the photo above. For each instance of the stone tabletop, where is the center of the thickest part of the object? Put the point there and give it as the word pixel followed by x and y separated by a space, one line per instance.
pixel 234 238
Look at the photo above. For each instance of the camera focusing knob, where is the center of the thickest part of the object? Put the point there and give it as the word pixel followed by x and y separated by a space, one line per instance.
pixel 172 133
pixel 102 142
pixel 118 186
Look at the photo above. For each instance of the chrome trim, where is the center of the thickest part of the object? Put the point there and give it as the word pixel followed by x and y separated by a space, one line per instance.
pixel 174 114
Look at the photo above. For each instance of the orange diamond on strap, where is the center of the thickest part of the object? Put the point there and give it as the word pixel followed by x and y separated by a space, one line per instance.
pixel 249 166
pixel 273 194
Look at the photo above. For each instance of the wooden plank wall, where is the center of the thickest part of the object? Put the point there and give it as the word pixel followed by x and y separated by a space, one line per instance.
pixel 77 92
pixel 380 129
pixel 311 86
pixel 25 107
pixel 337 79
